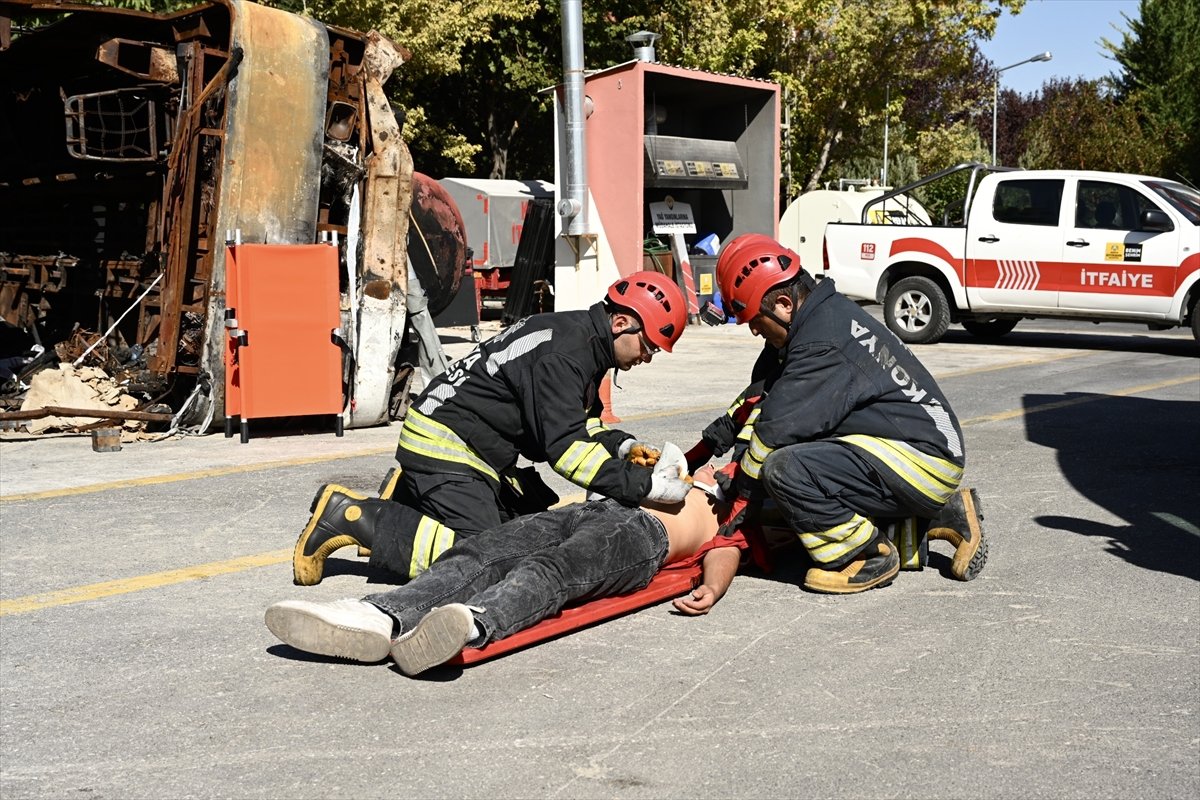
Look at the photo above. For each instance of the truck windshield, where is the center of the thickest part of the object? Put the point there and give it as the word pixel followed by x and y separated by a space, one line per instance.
pixel 1184 199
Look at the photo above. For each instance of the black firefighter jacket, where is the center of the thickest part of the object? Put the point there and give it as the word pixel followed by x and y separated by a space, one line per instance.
pixel 841 373
pixel 532 390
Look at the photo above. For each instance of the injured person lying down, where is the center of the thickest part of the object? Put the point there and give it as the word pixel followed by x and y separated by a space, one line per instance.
pixel 511 577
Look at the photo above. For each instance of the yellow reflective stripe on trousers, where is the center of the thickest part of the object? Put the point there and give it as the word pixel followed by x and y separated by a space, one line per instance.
pixel 933 477
pixel 595 426
pixel 423 436
pixel 830 545
pixel 756 454
pixel 432 539
pixel 904 534
pixel 582 462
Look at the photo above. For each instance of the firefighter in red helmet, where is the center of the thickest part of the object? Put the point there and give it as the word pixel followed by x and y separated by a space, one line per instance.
pixel 850 438
pixel 531 391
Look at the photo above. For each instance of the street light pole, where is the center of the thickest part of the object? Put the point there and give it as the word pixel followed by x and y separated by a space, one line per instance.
pixel 1046 56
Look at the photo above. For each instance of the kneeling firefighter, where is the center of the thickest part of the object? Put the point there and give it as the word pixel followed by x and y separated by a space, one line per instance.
pixel 531 391
pixel 848 429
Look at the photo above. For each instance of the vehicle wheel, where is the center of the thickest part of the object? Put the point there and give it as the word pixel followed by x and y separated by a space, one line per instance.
pixel 989 329
pixel 1196 318
pixel 916 310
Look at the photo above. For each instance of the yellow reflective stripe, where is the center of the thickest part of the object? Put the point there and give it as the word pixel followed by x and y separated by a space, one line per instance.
pixel 832 544
pixel 432 539
pixel 424 436
pixel 903 534
pixel 443 540
pixel 756 454
pixel 933 477
pixel 747 429
pixel 581 462
pixel 595 426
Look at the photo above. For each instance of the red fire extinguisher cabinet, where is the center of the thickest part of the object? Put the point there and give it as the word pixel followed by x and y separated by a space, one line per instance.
pixel 283 356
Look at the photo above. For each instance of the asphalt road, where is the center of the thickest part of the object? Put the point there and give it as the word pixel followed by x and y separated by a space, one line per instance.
pixel 134 662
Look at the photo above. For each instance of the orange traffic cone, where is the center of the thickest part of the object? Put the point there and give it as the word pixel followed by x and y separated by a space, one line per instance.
pixel 607 415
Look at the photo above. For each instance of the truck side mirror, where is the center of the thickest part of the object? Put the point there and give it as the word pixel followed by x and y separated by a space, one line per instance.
pixel 1155 220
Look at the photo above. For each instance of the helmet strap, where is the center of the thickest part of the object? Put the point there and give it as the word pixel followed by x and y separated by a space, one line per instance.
pixel 794 294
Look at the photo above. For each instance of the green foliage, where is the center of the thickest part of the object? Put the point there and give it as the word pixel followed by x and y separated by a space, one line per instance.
pixel 839 59
pixel 939 149
pixel 1083 127
pixel 156 6
pixel 1160 54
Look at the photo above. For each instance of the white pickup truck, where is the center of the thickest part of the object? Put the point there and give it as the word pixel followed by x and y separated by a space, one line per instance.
pixel 1095 246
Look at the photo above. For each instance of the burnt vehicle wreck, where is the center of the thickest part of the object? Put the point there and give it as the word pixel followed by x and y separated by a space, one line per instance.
pixel 134 145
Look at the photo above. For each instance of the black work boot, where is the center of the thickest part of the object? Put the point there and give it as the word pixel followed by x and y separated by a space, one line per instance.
pixel 387 487
pixel 960 523
pixel 340 518
pixel 387 491
pixel 876 565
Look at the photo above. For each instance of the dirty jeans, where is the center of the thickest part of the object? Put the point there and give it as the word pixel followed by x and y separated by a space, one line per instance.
pixel 529 568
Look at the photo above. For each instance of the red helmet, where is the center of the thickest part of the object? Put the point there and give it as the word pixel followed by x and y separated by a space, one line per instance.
pixel 748 268
pixel 657 302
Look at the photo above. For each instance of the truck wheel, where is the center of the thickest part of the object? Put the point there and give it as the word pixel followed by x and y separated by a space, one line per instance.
pixel 990 328
pixel 916 310
pixel 1196 318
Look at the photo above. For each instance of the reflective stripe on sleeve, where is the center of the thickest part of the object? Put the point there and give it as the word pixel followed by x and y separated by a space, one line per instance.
pixel 747 429
pixel 756 454
pixel 581 462
pixel 595 426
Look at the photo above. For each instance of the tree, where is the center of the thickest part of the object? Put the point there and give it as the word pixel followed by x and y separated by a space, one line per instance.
pixel 1015 113
pixel 839 59
pixel 1161 78
pixel 1081 126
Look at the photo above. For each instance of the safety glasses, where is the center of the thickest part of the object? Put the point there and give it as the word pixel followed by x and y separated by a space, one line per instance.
pixel 647 348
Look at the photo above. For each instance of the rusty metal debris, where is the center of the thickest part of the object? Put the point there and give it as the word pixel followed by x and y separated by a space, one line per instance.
pixel 133 144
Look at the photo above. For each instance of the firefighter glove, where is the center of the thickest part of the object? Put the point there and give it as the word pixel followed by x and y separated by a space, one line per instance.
pixel 638 452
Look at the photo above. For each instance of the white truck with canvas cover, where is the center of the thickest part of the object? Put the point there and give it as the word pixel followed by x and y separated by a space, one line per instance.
pixel 1096 246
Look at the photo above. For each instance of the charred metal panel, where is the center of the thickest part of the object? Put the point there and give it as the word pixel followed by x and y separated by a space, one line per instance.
pixel 387 200
pixel 131 143
pixel 271 167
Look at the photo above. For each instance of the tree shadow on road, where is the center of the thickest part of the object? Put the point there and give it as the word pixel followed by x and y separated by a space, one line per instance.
pixel 1137 458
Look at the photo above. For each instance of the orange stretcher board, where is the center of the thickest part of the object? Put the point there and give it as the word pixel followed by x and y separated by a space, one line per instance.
pixel 670 582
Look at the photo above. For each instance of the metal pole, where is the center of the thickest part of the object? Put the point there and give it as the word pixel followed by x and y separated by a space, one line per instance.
pixel 995 99
pixel 1046 56
pixel 887 99
pixel 573 205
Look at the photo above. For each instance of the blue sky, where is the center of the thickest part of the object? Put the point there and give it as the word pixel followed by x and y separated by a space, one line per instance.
pixel 1070 29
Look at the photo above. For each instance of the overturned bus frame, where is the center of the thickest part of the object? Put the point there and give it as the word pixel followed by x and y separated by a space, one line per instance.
pixel 132 145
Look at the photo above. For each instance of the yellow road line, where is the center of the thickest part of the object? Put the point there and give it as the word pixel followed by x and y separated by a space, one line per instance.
pixel 93 591
pixel 215 472
pixel 1027 362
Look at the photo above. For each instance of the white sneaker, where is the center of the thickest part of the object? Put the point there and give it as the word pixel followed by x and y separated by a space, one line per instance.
pixel 439 636
pixel 345 628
